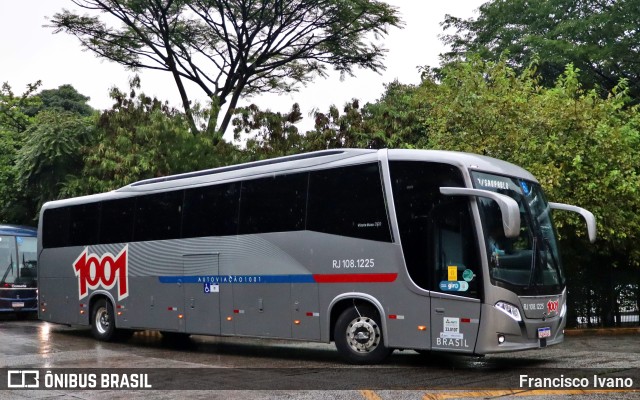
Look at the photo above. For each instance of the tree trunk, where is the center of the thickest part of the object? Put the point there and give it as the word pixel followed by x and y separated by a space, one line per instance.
pixel 231 110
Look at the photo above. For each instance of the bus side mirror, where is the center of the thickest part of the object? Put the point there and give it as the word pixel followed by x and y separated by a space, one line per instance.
pixel 508 207
pixel 587 215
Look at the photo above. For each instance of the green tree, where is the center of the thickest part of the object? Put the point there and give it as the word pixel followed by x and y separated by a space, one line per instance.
pixel 13 115
pixel 598 37
pixel 64 98
pixel 13 122
pixel 141 138
pixel 50 153
pixel 583 149
pixel 230 48
pixel 270 134
pixel 335 130
pixel 394 121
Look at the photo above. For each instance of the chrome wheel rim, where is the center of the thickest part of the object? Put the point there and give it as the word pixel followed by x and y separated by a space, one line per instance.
pixel 363 335
pixel 102 320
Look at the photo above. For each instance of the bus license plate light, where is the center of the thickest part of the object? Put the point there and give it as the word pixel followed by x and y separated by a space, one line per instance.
pixel 544 332
pixel 17 304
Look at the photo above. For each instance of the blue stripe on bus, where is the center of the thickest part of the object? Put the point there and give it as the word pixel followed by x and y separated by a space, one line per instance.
pixel 218 279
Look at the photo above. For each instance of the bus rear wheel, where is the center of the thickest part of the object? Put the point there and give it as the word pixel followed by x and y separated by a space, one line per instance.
pixel 358 336
pixel 103 325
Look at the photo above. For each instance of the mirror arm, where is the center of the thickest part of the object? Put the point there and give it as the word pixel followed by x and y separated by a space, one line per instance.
pixel 508 207
pixel 587 215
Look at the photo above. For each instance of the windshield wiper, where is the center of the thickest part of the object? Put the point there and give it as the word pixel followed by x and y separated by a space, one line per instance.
pixel 6 272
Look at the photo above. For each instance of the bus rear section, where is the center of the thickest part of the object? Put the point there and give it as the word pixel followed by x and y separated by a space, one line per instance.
pixel 18 271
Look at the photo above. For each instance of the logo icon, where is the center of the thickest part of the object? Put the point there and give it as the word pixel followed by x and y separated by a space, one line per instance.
pixel 18 379
pixel 552 306
pixel 104 271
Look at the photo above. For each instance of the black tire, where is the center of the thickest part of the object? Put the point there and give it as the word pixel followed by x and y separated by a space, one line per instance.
pixel 358 336
pixel 103 325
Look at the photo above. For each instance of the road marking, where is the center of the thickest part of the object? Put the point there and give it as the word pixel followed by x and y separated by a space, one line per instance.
pixel 370 395
pixel 519 393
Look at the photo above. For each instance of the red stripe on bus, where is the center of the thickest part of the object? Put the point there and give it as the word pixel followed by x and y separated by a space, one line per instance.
pixel 355 278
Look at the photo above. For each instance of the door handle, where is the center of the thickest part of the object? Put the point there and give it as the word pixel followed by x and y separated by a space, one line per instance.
pixel 440 310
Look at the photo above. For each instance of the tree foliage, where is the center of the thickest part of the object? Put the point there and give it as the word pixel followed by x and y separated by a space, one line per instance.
pixel 50 154
pixel 64 98
pixel 229 48
pixel 598 37
pixel 13 122
pixel 270 134
pixel 140 138
pixel 582 147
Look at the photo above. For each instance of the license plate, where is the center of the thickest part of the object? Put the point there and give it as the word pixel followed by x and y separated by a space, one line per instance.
pixel 17 304
pixel 544 333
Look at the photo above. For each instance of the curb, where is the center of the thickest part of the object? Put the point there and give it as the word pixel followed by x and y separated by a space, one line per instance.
pixel 602 331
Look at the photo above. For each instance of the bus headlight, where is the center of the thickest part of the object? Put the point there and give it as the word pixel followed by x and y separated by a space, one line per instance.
pixel 509 309
pixel 564 310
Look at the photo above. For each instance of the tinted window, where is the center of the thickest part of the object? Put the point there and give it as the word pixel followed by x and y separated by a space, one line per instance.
pixel 274 204
pixel 116 223
pixel 211 211
pixel 83 224
pixel 158 216
pixel 436 231
pixel 348 201
pixel 55 227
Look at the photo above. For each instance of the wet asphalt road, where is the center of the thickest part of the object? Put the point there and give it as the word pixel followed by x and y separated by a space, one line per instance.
pixel 224 368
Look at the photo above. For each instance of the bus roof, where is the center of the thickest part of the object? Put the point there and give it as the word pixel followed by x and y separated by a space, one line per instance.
pixel 301 162
pixel 18 230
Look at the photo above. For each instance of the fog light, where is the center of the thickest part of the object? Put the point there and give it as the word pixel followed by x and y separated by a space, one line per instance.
pixel 500 339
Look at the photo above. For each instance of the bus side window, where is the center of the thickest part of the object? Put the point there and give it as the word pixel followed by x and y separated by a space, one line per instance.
pixel 116 222
pixel 56 227
pixel 158 216
pixel 348 201
pixel 275 204
pixel 416 193
pixel 435 231
pixel 454 249
pixel 211 210
pixel 83 224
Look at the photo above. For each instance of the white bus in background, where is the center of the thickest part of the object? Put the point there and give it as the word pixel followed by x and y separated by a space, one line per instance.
pixel 373 249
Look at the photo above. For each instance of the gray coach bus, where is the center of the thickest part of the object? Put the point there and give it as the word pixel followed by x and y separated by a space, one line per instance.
pixel 373 249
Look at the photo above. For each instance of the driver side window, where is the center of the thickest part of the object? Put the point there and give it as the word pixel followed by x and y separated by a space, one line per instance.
pixel 437 232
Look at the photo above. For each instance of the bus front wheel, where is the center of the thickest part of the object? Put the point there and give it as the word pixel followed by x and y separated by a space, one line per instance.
pixel 358 336
pixel 103 321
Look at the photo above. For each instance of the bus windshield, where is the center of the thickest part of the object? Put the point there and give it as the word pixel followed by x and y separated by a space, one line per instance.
pixel 528 264
pixel 18 261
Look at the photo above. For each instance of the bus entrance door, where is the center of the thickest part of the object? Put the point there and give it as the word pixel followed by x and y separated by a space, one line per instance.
pixel 202 297
pixel 455 296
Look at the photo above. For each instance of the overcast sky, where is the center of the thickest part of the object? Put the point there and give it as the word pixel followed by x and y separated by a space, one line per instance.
pixel 29 51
